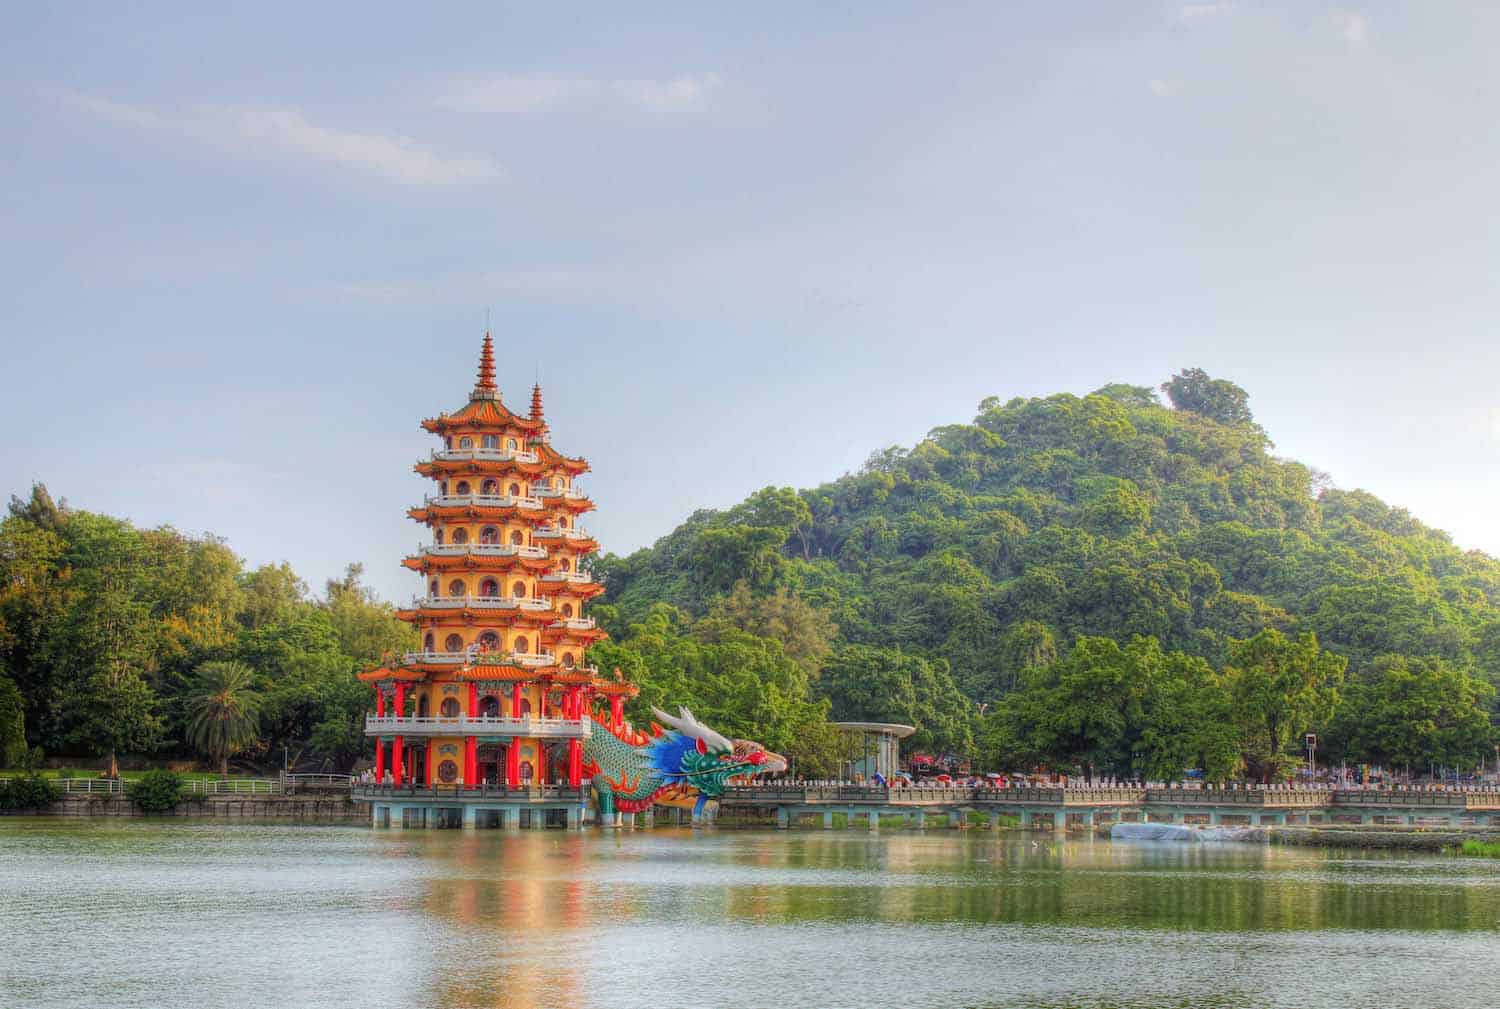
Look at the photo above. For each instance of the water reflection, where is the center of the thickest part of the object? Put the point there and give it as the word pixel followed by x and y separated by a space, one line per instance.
pixel 344 917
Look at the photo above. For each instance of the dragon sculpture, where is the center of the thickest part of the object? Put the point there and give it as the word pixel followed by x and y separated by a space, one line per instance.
pixel 684 764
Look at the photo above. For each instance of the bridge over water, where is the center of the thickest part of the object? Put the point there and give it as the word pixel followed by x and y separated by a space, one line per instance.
pixel 1083 806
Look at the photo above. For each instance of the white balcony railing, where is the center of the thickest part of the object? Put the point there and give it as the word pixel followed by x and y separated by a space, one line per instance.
pixel 577 623
pixel 557 533
pixel 481 603
pixel 463 725
pixel 572 577
pixel 435 658
pixel 482 501
pixel 484 454
pixel 472 655
pixel 481 550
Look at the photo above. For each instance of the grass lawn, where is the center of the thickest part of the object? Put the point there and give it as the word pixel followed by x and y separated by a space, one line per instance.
pixel 1482 849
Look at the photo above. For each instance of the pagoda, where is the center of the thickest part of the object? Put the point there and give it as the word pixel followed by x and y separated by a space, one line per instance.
pixel 499 697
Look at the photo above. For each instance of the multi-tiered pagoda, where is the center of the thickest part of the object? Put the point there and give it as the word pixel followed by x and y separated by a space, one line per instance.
pixel 499 697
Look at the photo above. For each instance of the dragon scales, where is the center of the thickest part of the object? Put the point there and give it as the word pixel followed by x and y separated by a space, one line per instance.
pixel 685 764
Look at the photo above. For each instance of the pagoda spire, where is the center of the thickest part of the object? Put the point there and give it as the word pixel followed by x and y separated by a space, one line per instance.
pixel 536 402
pixel 486 388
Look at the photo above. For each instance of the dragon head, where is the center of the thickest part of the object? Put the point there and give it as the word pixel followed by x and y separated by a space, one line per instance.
pixel 706 760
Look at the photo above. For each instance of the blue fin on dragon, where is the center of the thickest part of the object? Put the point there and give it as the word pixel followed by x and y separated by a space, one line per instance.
pixel 682 763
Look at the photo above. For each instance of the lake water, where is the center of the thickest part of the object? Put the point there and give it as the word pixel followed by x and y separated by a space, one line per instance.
pixel 133 913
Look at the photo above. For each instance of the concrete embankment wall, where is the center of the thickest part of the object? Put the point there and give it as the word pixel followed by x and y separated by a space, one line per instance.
pixel 1392 838
pixel 323 809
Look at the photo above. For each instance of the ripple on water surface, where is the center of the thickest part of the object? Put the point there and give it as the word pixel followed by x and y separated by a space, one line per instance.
pixel 138 913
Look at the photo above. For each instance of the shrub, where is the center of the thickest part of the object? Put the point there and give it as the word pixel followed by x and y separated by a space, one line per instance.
pixel 31 791
pixel 156 791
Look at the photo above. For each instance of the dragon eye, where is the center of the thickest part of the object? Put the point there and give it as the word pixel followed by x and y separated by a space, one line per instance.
pixel 756 758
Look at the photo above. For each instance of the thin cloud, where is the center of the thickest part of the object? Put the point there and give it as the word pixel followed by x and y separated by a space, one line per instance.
pixel 519 94
pixel 1164 89
pixel 1189 12
pixel 261 130
pixel 1353 27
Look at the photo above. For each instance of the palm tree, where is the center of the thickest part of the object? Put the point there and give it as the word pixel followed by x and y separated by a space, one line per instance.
pixel 222 710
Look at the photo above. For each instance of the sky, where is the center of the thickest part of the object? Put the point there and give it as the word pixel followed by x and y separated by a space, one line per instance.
pixel 247 250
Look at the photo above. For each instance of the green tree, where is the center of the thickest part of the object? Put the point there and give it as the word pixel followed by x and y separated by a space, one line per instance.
pixel 12 724
pixel 1280 688
pixel 1411 712
pixel 1193 390
pixel 805 632
pixel 868 684
pixel 222 711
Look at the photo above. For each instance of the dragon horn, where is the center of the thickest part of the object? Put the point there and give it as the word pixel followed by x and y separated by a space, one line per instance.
pixel 689 726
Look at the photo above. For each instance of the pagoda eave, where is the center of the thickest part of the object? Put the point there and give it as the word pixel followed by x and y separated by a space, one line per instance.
pixel 467 617
pixel 404 674
pixel 441 467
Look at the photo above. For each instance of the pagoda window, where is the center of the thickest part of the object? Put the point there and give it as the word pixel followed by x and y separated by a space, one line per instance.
pixel 516 539
pixel 565 564
pixel 489 534
pixel 562 522
pixel 462 488
pixel 422 710
pixel 518 590
pixel 568 660
pixel 489 587
pixel 510 444
pixel 491 441
pixel 456 587
pixel 526 768
pixel 489 706
pixel 560 483
pixel 525 707
pixel 447 771
pixel 453 643
pixel 515 490
pixel 465 443
pixel 460 536
pixel 432 587
pixel 449 707
pixel 489 641
pixel 567 610
pixel 490 488
pixel 521 646
pixel 429 643
pixel 437 537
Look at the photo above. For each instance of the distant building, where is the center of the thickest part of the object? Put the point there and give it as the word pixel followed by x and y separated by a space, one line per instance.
pixel 879 748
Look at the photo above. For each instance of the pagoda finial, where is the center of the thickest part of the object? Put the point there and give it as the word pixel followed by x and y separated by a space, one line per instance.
pixel 486 388
pixel 536 402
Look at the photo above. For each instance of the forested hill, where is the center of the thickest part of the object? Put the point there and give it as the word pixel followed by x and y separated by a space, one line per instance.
pixel 993 545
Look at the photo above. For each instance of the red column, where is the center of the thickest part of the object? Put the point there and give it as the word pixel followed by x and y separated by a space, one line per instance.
pixel 473 699
pixel 515 699
pixel 379 703
pixel 617 712
pixel 400 711
pixel 513 764
pixel 398 769
pixel 471 762
pixel 379 761
pixel 575 763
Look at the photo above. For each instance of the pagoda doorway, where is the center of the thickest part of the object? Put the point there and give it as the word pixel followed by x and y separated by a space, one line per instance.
pixel 557 761
pixel 491 765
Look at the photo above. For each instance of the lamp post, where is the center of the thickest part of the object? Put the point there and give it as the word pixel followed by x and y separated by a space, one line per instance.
pixel 1312 756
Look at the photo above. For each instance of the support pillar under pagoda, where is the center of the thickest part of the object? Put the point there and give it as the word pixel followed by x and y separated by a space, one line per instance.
pixel 379 760
pixel 398 768
pixel 471 743
pixel 513 764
